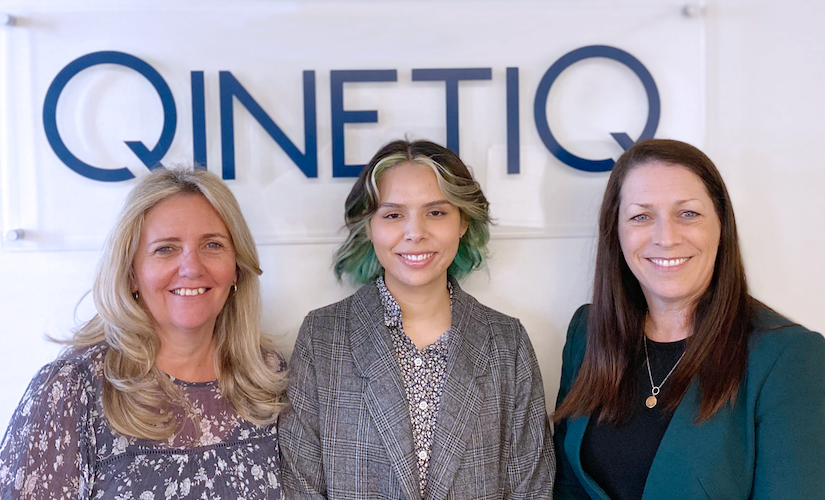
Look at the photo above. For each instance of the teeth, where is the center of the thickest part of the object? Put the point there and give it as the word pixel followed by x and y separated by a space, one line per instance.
pixel 417 257
pixel 669 262
pixel 189 291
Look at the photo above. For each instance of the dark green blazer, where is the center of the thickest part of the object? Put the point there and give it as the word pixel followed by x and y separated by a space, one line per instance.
pixel 769 445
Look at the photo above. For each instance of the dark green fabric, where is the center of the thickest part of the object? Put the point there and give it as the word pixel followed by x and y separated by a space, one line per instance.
pixel 769 445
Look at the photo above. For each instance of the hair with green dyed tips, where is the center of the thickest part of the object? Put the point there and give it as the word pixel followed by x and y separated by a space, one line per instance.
pixel 356 257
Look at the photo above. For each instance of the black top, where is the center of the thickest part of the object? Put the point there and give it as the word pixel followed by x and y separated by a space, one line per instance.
pixel 618 457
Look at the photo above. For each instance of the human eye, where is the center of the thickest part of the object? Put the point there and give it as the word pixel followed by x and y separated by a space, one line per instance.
pixel 640 218
pixel 214 245
pixel 163 250
pixel 690 214
pixel 391 215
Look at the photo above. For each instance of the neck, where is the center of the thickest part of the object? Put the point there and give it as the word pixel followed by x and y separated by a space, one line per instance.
pixel 669 324
pixel 425 310
pixel 187 356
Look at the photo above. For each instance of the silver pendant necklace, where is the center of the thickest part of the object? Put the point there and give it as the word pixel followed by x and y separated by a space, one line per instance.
pixel 651 400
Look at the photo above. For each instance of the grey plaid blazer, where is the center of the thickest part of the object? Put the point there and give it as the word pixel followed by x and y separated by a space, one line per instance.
pixel 347 433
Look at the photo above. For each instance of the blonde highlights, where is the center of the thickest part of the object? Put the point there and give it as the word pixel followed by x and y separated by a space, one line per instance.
pixel 356 257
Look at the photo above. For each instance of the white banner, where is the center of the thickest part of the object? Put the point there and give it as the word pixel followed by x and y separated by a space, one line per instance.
pixel 284 99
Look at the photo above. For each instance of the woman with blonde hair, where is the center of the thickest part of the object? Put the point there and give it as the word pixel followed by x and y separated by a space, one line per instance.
pixel 171 389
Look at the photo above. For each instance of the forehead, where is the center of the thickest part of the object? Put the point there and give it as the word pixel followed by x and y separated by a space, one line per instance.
pixel 185 211
pixel 408 180
pixel 658 182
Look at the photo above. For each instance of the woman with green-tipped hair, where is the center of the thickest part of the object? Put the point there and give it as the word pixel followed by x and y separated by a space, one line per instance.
pixel 410 388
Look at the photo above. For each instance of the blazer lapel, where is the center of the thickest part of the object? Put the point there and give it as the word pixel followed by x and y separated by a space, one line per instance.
pixel 384 393
pixel 572 447
pixel 460 399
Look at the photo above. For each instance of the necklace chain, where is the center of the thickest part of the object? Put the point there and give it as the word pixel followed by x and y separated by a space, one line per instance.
pixel 651 400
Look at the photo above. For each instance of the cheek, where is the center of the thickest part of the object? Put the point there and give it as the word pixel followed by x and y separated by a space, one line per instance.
pixel 227 270
pixel 624 241
pixel 146 276
pixel 383 236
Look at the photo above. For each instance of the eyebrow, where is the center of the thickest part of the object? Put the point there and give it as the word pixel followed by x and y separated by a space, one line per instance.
pixel 649 205
pixel 426 205
pixel 175 239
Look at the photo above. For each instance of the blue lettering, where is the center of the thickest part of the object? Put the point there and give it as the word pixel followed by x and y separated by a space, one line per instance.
pixel 622 138
pixel 150 157
pixel 451 77
pixel 230 87
pixel 513 131
pixel 198 120
pixel 340 116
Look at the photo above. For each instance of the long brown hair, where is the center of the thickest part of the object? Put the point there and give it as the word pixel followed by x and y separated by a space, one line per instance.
pixel 716 352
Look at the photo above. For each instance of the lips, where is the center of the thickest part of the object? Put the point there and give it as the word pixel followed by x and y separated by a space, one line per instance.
pixel 189 291
pixel 669 262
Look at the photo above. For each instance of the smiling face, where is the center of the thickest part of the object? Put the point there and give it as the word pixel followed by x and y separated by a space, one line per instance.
pixel 184 266
pixel 415 231
pixel 669 232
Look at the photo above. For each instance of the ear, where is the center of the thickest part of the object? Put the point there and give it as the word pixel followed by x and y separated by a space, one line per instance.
pixel 464 227
pixel 368 230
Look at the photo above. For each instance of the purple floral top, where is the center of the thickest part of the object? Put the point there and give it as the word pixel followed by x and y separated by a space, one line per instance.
pixel 423 372
pixel 60 446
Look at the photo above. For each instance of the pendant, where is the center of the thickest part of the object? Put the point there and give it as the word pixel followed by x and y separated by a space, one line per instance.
pixel 651 401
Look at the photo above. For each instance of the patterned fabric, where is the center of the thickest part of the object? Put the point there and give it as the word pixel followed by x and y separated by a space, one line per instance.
pixel 60 446
pixel 423 373
pixel 347 433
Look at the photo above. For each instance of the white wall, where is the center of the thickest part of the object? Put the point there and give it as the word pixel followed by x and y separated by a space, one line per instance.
pixel 764 129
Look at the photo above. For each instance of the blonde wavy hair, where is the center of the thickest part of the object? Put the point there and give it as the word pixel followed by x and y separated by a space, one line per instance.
pixel 136 394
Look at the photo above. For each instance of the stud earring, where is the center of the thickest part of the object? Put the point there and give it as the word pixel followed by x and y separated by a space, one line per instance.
pixel 136 295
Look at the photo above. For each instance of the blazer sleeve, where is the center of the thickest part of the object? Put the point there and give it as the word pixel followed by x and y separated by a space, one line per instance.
pixel 790 423
pixel 567 484
pixel 302 463
pixel 531 465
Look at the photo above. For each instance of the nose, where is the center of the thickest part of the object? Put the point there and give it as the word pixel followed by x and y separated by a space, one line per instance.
pixel 667 233
pixel 415 229
pixel 190 264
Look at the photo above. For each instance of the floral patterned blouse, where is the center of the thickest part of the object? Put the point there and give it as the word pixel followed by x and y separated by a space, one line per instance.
pixel 424 372
pixel 60 446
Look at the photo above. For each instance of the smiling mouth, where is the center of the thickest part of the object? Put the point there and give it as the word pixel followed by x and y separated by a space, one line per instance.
pixel 189 291
pixel 669 262
pixel 416 257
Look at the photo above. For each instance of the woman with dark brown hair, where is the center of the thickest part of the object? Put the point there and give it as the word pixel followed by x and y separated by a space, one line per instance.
pixel 676 383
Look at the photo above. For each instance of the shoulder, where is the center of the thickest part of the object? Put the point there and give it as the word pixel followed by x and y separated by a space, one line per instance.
pixel 330 325
pixel 365 298
pixel 82 363
pixel 775 337
pixel 274 360
pixel 476 315
pixel 577 331
pixel 59 388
